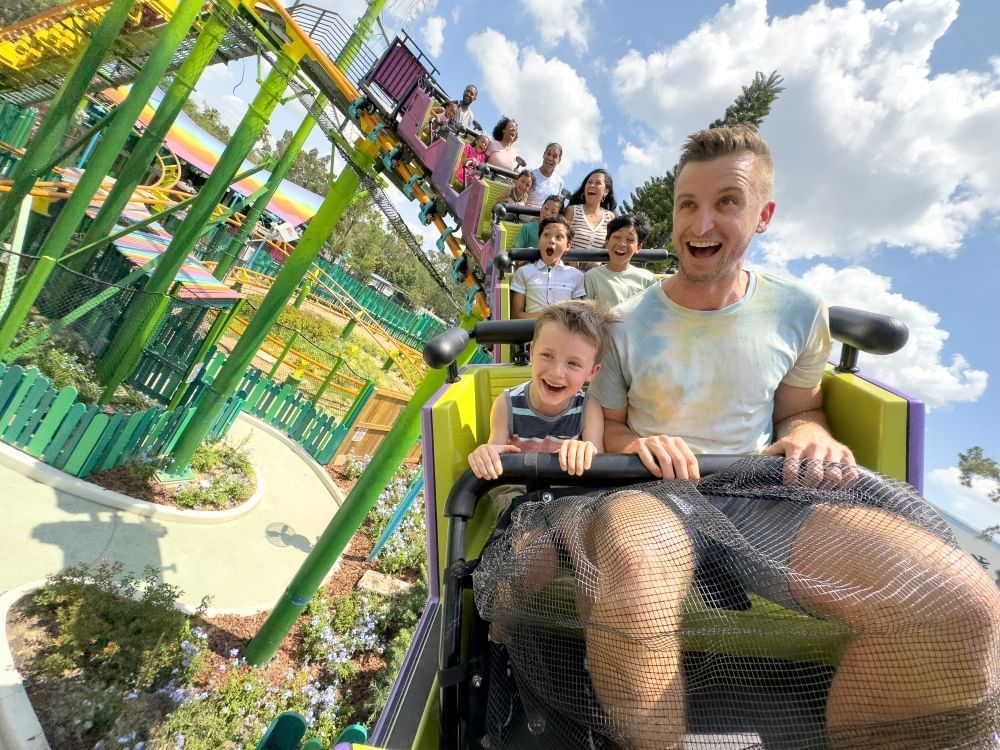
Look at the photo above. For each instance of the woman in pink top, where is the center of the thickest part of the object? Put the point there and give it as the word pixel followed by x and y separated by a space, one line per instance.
pixel 502 152
pixel 590 209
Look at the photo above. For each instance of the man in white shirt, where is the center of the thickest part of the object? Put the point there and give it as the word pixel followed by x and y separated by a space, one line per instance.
pixel 465 116
pixel 547 182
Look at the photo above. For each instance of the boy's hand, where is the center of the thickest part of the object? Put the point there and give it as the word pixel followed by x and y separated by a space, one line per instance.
pixel 485 460
pixel 575 456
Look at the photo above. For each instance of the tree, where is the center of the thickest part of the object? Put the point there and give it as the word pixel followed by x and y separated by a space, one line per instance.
pixel 12 11
pixel 208 119
pixel 975 463
pixel 655 197
pixel 310 169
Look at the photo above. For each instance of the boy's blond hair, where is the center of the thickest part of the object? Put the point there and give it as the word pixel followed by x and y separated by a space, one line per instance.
pixel 706 145
pixel 582 317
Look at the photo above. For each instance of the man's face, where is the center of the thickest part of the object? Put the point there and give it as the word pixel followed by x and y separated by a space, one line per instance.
pixel 551 158
pixel 716 214
pixel 469 95
pixel 622 245
pixel 553 243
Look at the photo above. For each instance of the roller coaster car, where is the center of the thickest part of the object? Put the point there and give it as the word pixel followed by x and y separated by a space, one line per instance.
pixel 439 697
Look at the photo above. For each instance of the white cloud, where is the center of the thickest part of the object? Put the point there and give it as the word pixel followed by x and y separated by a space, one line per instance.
pixel 216 86
pixel 917 368
pixel 547 97
pixel 871 150
pixel 433 33
pixel 559 19
pixel 971 504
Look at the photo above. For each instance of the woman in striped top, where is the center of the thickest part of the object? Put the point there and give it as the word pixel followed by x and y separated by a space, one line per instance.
pixel 590 209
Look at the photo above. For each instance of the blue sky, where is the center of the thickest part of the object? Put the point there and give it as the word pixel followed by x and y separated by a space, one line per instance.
pixel 885 141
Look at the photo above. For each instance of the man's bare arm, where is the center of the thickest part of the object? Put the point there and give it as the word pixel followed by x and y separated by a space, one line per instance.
pixel 665 456
pixel 801 432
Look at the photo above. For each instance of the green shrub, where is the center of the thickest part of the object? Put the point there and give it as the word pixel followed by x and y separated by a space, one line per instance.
pixel 228 481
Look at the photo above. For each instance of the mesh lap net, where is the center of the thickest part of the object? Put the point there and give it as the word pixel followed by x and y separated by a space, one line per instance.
pixel 738 612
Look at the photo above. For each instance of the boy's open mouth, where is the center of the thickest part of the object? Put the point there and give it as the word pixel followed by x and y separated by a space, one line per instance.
pixel 704 249
pixel 552 390
pixel 550 252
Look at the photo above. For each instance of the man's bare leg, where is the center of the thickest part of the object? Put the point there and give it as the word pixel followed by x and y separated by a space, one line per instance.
pixel 644 562
pixel 927 617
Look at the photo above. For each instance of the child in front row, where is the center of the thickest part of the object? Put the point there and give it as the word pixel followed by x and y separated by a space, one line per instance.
pixel 551 413
pixel 548 280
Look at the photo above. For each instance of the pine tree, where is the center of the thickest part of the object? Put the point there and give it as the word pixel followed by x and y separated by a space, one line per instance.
pixel 655 197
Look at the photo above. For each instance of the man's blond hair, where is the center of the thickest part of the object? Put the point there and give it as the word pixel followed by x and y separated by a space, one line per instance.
pixel 706 145
pixel 582 317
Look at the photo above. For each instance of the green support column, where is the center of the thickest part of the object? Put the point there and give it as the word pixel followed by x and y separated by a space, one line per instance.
pixel 125 350
pixel 135 167
pixel 101 161
pixel 60 116
pixel 337 363
pixel 238 242
pixel 346 520
pixel 303 293
pixel 294 268
pixel 284 353
pixel 347 330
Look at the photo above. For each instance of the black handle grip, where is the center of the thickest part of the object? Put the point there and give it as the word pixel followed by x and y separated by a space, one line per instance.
pixel 607 469
pixel 867 331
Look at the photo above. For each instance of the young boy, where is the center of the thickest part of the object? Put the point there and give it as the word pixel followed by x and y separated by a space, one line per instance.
pixel 618 280
pixel 528 234
pixel 551 413
pixel 547 280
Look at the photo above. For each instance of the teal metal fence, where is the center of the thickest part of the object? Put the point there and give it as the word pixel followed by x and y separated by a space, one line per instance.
pixel 408 326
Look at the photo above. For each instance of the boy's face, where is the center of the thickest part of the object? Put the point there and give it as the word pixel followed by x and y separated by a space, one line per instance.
pixel 561 363
pixel 549 210
pixel 553 243
pixel 523 183
pixel 451 111
pixel 622 245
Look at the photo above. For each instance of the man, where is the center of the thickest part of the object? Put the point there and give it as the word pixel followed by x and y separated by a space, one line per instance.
pixel 720 359
pixel 547 182
pixel 465 116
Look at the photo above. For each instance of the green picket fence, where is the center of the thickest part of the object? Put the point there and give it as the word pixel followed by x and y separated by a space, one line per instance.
pixel 283 407
pixel 56 428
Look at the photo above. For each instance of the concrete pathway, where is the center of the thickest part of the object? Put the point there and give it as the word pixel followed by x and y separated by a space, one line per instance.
pixel 244 564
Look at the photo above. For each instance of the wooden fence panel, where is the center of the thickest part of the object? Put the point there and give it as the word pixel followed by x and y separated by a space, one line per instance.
pixel 87 443
pixel 46 431
pixel 114 427
pixel 376 419
pixel 66 428
pixel 22 436
pixel 21 382
pixel 116 455
pixel 74 439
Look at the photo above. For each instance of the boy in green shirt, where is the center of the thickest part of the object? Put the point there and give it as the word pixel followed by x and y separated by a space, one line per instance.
pixel 615 282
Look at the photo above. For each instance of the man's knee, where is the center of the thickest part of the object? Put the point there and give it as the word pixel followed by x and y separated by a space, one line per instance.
pixel 870 568
pixel 635 534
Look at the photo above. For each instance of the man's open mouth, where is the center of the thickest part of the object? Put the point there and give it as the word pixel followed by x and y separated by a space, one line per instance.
pixel 704 249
